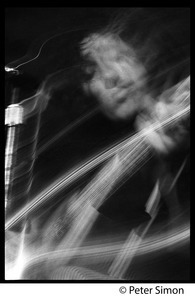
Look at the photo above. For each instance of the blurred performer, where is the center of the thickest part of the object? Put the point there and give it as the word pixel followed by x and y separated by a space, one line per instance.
pixel 118 79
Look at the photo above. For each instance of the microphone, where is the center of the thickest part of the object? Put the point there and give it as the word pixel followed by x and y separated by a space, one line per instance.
pixel 12 71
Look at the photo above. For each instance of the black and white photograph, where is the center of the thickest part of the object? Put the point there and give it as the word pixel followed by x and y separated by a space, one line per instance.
pixel 97 152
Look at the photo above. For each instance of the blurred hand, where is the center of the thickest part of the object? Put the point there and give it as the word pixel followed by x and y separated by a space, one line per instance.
pixel 162 138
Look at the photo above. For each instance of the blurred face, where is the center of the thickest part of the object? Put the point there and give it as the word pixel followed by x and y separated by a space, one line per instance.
pixel 117 77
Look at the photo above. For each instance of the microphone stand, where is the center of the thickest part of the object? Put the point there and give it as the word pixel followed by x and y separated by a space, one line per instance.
pixel 18 166
pixel 13 121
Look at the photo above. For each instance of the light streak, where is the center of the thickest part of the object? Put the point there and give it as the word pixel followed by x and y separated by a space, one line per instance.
pixel 67 179
pixel 14 269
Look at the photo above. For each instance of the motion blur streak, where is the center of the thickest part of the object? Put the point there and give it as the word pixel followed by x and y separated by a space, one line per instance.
pixel 102 251
pixel 72 176
pixel 14 267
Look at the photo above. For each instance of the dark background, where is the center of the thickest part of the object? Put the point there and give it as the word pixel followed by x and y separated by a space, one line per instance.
pixel 26 29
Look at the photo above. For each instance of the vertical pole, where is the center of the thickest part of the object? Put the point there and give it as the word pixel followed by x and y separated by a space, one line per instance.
pixel 13 119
